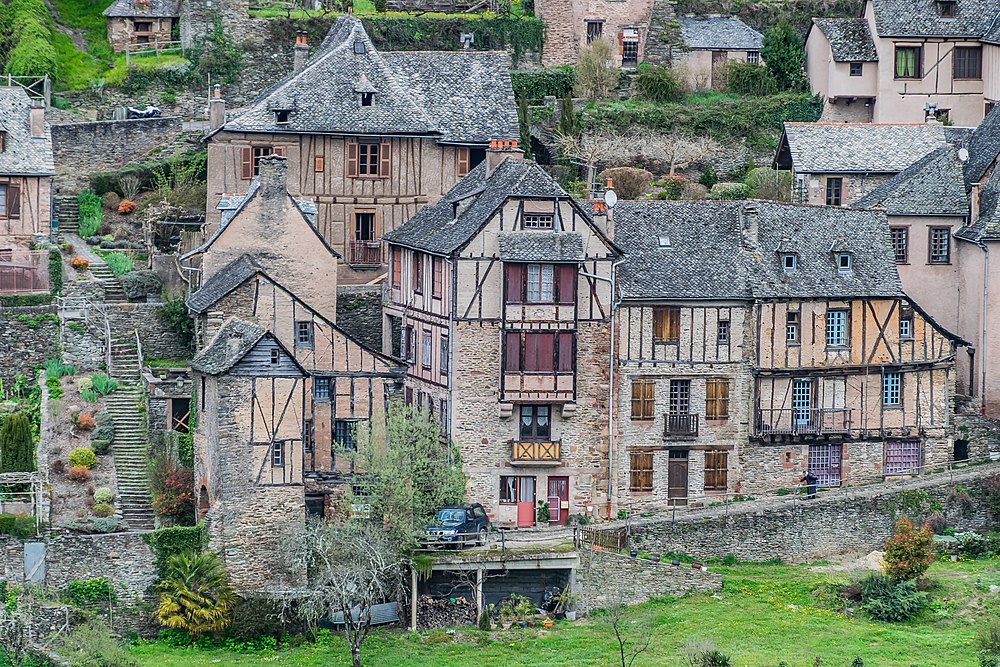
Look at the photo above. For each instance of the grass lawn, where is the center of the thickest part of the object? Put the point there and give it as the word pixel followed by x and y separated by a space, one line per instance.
pixel 765 614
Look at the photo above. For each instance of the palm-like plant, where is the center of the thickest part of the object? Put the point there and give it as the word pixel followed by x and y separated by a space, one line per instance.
pixel 195 594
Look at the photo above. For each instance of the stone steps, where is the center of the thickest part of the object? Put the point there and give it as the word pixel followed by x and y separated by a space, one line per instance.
pixel 67 212
pixel 131 452
pixel 113 291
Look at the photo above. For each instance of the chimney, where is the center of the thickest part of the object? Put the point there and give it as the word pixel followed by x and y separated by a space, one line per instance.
pixel 500 150
pixel 301 51
pixel 974 203
pixel 36 117
pixel 273 177
pixel 216 109
pixel 235 342
pixel 751 225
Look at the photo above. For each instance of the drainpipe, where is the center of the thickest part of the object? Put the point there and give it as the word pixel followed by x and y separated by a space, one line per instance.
pixel 984 346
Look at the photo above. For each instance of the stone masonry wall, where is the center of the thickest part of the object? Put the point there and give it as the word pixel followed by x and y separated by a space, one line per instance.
pixel 359 313
pixel 855 186
pixel 26 342
pixel 84 148
pixel 158 340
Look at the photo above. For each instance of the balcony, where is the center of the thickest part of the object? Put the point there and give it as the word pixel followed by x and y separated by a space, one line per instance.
pixel 24 271
pixel 535 452
pixel 812 421
pixel 680 426
pixel 364 253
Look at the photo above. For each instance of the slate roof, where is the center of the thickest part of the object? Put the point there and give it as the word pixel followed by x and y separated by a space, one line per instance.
pixel 156 8
pixel 859 147
pixel 23 154
pixel 222 283
pixel 850 39
pixel 987 227
pixel 707 258
pixel 718 32
pixel 919 18
pixel 541 247
pixel 234 339
pixel 983 146
pixel 460 97
pixel 933 185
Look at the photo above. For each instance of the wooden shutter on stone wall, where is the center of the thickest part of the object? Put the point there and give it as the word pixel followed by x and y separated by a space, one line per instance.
pixel 641 471
pixel 246 161
pixel 13 201
pixel 385 160
pixel 716 470
pixel 352 159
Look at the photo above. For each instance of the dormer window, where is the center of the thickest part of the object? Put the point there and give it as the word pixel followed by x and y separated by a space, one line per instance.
pixel 282 116
pixel 947 8
pixel 844 262
pixel 359 47
pixel 788 262
pixel 663 242
pixel 275 357
pixel 367 99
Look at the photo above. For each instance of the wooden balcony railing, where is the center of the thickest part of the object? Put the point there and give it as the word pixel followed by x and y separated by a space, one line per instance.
pixel 812 421
pixel 24 271
pixel 535 451
pixel 365 253
pixel 680 425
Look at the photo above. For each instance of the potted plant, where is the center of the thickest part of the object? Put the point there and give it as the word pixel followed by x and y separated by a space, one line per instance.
pixel 542 514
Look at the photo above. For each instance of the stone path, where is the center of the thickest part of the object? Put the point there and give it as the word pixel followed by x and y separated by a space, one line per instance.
pixel 113 292
pixel 131 452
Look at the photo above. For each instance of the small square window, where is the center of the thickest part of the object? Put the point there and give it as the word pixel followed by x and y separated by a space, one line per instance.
pixel 723 337
pixel 946 9
pixel 753 57
pixel 857 69
pixel 844 263
pixel 788 261
pixel 278 454
pixel 275 357
pixel 792 326
pixel 359 47
pixel 304 334
pixel 321 388
pixel 282 116
pixel 906 328
pixel 367 99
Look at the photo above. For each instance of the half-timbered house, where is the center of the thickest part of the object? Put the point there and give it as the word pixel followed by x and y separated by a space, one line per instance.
pixel 371 137
pixel 26 168
pixel 502 296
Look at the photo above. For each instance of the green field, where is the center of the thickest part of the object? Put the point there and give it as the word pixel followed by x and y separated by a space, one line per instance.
pixel 765 614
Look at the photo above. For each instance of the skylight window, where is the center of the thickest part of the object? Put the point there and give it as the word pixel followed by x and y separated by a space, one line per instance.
pixel 789 262
pixel 664 242
pixel 844 262
pixel 359 47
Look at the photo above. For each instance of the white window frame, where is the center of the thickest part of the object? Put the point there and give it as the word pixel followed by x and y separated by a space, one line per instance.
pixel 836 328
pixel 541 283
pixel 426 349
pixel 789 262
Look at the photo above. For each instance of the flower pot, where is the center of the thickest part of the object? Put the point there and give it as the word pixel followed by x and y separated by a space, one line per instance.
pixel 633 553
pixel 954 559
pixel 505 625
pixel 570 615
pixel 654 558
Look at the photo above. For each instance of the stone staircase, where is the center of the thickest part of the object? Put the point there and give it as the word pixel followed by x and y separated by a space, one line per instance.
pixel 67 212
pixel 124 357
pixel 131 452
pixel 113 291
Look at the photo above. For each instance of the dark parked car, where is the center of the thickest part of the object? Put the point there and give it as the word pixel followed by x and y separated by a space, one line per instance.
pixel 459 524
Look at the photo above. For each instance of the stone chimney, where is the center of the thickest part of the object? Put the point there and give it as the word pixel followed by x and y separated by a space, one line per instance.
pixel 273 177
pixel 301 51
pixel 36 117
pixel 235 342
pixel 216 109
pixel 974 203
pixel 751 225
pixel 500 150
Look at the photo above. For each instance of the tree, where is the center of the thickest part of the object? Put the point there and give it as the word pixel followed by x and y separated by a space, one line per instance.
pixel 678 151
pixel 17 447
pixel 351 568
pixel 569 122
pixel 767 183
pixel 15 628
pixel 524 123
pixel 596 74
pixel 407 477
pixel 195 595
pixel 632 639
pixel 784 55
pixel 594 149
pixel 909 552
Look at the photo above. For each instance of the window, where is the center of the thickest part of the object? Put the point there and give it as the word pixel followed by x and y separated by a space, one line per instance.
pixel 640 471
pixel 540 279
pixel 680 397
pixel 900 237
pixel 321 388
pixel 275 357
pixel 426 349
pixel 367 98
pixel 180 414
pixel 666 324
pixel 282 116
pixel 278 454
pixel 143 26
pixel 466 159
pixel 343 433
pixel 753 57
pixel 788 262
pixel 369 159
pixel 857 69
pixel 834 190
pixel 946 8
pixel 417 267
pixel 908 65
pixel 906 323
pixel 836 328
pixel 939 245
pixel 365 225
pixel 541 283
pixel 407 344
pixel 890 389
pixel 10 201
pixel 548 352
pixel 844 262
pixel 437 277
pixel 397 267
pixel 716 470
pixel 792 326
pixel 722 338
pixel 359 47
pixel 3 140
pixel 968 62
pixel 304 334
pixel 308 441
pixel 630 47
pixel 643 399
pixel 319 164
pixel 902 457
pixel 535 422
pixel 445 355
pixel 517 490
pixel 443 416
pixel 716 398
pixel 594 30
pixel 537 221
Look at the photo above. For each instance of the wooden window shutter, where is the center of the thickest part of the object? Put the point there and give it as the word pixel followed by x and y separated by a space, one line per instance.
pixel 13 201
pixel 278 150
pixel 567 284
pixel 566 343
pixel 643 395
pixel 512 352
pixel 397 267
pixel 319 164
pixel 515 283
pixel 546 351
pixel 246 161
pixel 385 160
pixel 462 161
pixel 673 324
pixel 352 159
pixel 641 471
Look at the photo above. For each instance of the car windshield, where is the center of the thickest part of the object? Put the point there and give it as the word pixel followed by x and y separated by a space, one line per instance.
pixel 451 516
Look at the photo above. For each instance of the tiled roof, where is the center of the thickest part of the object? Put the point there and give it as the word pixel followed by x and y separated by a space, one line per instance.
pixel 933 185
pixel 850 39
pixel 222 283
pixel 535 246
pixel 987 226
pixel 22 154
pixel 456 97
pixel 919 18
pixel 718 32
pixel 860 147
pixel 983 147
pixel 231 343
pixel 152 8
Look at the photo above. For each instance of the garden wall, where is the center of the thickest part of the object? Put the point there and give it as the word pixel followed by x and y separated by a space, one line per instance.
pixel 124 559
pixel 848 521
pixel 29 335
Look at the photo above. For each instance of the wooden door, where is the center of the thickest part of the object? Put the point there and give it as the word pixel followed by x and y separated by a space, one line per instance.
pixel 525 502
pixel 677 477
pixel 558 494
pixel 716 471
pixel 824 463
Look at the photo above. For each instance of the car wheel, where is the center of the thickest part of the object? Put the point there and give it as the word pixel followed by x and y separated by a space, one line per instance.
pixel 482 537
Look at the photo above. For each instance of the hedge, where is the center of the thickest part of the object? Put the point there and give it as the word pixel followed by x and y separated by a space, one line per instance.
pixel 21 526
pixel 536 84
pixel 137 284
pixel 33 53
pixel 167 542
pixel 55 272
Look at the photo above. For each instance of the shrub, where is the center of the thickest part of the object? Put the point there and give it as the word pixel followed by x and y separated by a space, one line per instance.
pixel 172 487
pixel 103 495
pixel 88 395
pixel 749 79
pixel 138 284
pixel 628 182
pixel 596 74
pixel 82 456
pixel 891 601
pixel 102 384
pixel 767 183
pixel 730 191
pixel 784 54
pixel 21 526
pixel 97 525
pixel 167 542
pixel 58 466
pixel 105 429
pixel 91 645
pixel 674 186
pixel 658 84
pixel 708 177
pixel 174 314
pixel 17 446
pixel 91 213
pixel 125 207
pixel 103 510
pixel 79 473
pixel 110 200
pixel 536 84
pixel 79 263
pixel 129 186
pixel 937 521
pixel 119 263
pixel 100 446
pixel 909 552
pixel 55 368
pixel 55 272
pixel 85 421
pixel 988 637
pixel 84 591
pixel 971 544
pixel 195 594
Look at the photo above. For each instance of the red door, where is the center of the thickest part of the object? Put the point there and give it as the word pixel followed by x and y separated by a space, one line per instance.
pixel 525 502
pixel 558 495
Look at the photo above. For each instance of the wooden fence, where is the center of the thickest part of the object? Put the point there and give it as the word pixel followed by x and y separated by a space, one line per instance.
pixel 38 88
pixel 151 49
pixel 24 271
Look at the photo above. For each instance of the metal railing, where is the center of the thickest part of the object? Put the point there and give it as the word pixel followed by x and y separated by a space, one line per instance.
pixel 427 542
pixel 365 253
pixel 683 425
pixel 37 87
pixel 151 48
pixel 547 451
pixel 811 421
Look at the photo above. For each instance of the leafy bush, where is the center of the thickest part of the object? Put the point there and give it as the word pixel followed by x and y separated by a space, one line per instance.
pixel 55 368
pixel 784 54
pixel 91 645
pixel 125 207
pixel 119 263
pixel 138 284
pixel 100 446
pixel 103 510
pixel 708 177
pixel 909 552
pixel 730 191
pixel 171 485
pixel 658 84
pixel 596 74
pixel 21 526
pixel 103 495
pixel 82 456
pixel 17 446
pixel 78 474
pixel 55 272
pixel 79 263
pixel 102 384
pixel 628 182
pixel 750 79
pixel 105 429
pixel 97 526
pixel 891 601
pixel 91 213
pixel 533 85
pixel 988 637
pixel 673 186
pixel 971 544
pixel 767 183
pixel 167 542
pixel 174 314
pixel 83 591
pixel 32 53
pixel 85 421
pixel 195 595
pixel 111 200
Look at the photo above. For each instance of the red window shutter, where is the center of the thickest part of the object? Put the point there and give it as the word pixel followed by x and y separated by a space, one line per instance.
pixel 567 283
pixel 13 201
pixel 352 159
pixel 385 160
pixel 531 344
pixel 515 283
pixel 566 342
pixel 246 160
pixel 512 353
pixel 545 359
pixel 397 267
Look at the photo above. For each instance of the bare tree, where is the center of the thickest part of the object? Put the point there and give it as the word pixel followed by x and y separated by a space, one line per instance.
pixel 679 151
pixel 633 639
pixel 596 149
pixel 15 631
pixel 351 568
pixel 596 74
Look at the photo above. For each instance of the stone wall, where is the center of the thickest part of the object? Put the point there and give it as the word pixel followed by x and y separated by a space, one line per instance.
pixel 84 148
pixel 124 559
pixel 158 340
pixel 847 521
pixel 604 578
pixel 28 337
pixel 359 313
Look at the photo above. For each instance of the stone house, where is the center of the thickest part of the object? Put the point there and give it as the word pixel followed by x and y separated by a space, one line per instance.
pixel 279 386
pixel 899 56
pixel 838 163
pixel 138 22
pixel 502 295
pixel 789 324
pixel 710 43
pixel 573 24
pixel 370 137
